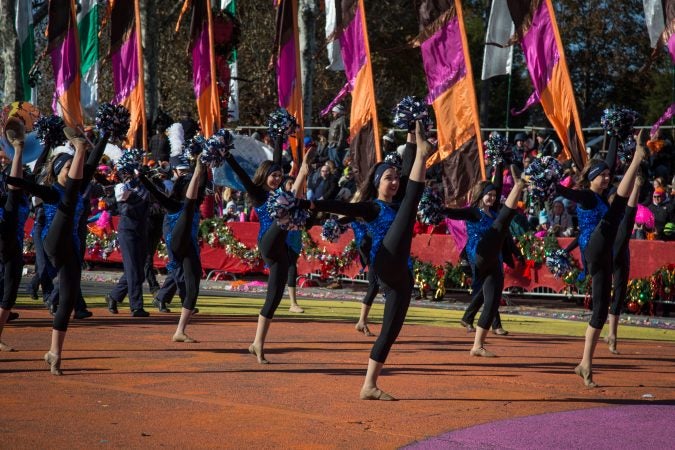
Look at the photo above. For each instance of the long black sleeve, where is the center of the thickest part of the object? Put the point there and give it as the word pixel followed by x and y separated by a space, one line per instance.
pixel 409 153
pixel 47 193
pixel 467 214
pixel 171 205
pixel 584 197
pixel 278 149
pixel 610 158
pixel 368 211
pixel 92 162
pixel 257 193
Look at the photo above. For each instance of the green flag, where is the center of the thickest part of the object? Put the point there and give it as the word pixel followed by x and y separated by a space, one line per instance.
pixel 87 27
pixel 26 35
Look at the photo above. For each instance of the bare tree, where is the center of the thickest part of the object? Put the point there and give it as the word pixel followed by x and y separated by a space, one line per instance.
pixel 308 10
pixel 9 52
pixel 151 43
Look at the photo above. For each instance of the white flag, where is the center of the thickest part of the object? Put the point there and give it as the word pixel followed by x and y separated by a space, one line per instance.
pixel 496 60
pixel 333 47
pixel 654 19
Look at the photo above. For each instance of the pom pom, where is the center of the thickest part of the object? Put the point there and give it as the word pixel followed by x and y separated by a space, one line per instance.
pixel 408 111
pixel 394 159
pixel 49 131
pixel 558 262
pixel 332 230
pixel 129 161
pixel 644 216
pixel 626 150
pixel 216 148
pixel 618 122
pixel 543 174
pixel 281 123
pixel 430 207
pixel 497 149
pixel 176 137
pixel 113 120
pixel 283 207
pixel 195 147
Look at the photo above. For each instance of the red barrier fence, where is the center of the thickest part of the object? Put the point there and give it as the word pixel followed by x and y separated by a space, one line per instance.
pixel 646 257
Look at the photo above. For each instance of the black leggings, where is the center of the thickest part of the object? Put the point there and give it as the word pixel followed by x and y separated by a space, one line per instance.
pixel 622 260
pixel 185 253
pixel 274 252
pixel 599 258
pixel 61 251
pixel 488 268
pixel 12 254
pixel 391 268
pixel 373 288
pixel 477 300
pixel 292 268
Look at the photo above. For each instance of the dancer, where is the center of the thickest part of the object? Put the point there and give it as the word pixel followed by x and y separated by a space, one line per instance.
pixel 183 225
pixel 392 233
pixel 271 237
pixel 487 233
pixel 598 227
pixel 14 217
pixel 63 206
pixel 622 264
pixel 484 208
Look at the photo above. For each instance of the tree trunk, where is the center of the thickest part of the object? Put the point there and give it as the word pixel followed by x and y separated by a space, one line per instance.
pixel 151 43
pixel 9 52
pixel 308 10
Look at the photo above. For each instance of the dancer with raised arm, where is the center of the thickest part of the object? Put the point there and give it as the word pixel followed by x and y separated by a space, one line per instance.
pixel 14 215
pixel 598 226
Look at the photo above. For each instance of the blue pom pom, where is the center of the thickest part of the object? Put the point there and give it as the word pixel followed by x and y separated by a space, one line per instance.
pixel 394 159
pixel 558 262
pixel 618 121
pixel 113 120
pixel 543 174
pixel 332 230
pixel 408 111
pixel 216 148
pixel 49 131
pixel 430 207
pixel 282 206
pixel 497 149
pixel 129 161
pixel 195 147
pixel 281 123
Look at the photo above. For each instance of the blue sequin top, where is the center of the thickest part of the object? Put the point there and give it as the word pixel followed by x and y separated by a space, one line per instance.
pixel 360 230
pixel 24 211
pixel 263 217
pixel 294 241
pixel 378 228
pixel 169 222
pixel 475 232
pixel 589 219
pixel 50 212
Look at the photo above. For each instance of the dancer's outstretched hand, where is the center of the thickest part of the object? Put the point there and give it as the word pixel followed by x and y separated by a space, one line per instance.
pixel 424 147
pixel 641 145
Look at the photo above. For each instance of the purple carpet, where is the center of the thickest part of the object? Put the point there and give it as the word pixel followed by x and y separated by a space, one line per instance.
pixel 624 427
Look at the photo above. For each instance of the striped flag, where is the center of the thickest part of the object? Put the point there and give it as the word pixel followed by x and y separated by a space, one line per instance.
pixel 538 34
pixel 233 104
pixel 497 60
pixel 87 26
pixel 127 65
pixel 63 47
pixel 289 81
pixel 660 19
pixel 445 54
pixel 355 50
pixel 204 79
pixel 26 35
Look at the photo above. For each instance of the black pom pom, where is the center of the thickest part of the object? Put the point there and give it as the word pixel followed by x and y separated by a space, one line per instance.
pixel 49 131
pixel 113 120
pixel 281 124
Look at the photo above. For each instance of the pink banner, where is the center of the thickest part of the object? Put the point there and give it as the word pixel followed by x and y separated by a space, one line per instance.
pixel 125 68
pixel 201 63
pixel 443 58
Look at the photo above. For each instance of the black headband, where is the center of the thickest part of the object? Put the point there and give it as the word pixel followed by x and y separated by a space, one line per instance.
pixel 597 170
pixel 273 168
pixel 379 171
pixel 59 162
pixel 488 187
